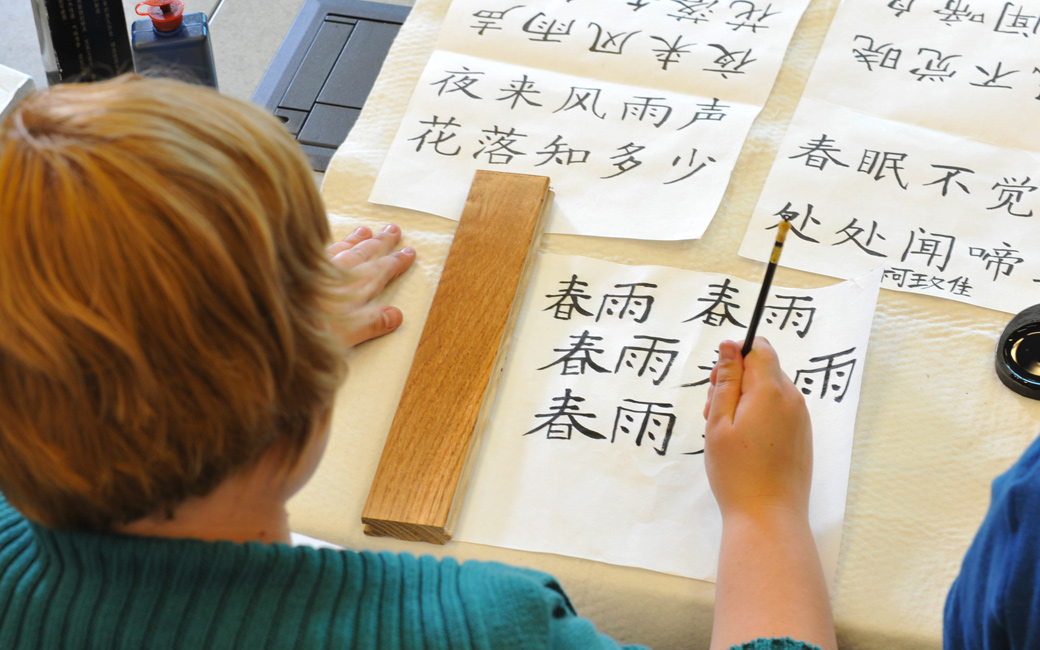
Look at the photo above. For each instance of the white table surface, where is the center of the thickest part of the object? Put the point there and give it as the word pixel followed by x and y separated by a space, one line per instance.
pixel 934 427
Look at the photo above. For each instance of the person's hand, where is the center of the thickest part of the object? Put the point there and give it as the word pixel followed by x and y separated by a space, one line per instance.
pixel 373 264
pixel 758 456
pixel 758 438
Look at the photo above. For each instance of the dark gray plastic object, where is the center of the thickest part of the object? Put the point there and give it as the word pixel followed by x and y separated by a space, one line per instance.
pixel 321 75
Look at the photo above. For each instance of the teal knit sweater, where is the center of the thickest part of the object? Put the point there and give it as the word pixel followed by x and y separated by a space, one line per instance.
pixel 62 589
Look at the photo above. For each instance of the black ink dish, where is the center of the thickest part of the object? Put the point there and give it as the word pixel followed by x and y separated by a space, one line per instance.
pixel 1018 354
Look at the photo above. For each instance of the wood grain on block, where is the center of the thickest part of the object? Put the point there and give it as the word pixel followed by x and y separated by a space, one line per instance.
pixel 422 474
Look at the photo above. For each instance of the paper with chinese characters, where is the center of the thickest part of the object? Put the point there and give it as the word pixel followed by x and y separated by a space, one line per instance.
pixel 916 146
pixel 636 109
pixel 595 445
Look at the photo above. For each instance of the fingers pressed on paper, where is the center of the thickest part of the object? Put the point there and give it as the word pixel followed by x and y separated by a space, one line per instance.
pixel 373 322
pixel 378 273
pixel 376 246
pixel 360 234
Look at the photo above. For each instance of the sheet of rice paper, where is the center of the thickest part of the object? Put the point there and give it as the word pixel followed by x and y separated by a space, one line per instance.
pixel 636 109
pixel 914 146
pixel 595 446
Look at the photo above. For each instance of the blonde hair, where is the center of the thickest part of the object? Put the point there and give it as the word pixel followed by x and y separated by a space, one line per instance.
pixel 163 287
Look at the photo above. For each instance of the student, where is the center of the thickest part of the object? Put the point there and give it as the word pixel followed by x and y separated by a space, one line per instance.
pixel 995 601
pixel 172 331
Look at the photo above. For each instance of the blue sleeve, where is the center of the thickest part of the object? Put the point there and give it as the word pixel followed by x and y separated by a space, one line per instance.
pixel 509 608
pixel 775 644
pixel 993 603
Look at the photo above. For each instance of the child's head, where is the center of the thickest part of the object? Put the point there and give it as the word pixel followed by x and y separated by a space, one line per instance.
pixel 162 283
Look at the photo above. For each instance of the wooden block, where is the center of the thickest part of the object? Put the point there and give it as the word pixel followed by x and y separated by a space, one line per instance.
pixel 422 475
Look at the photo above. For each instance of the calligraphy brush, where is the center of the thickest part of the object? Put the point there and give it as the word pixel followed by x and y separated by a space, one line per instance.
pixel 774 258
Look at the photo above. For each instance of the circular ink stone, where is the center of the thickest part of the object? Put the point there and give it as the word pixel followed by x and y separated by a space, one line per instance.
pixel 1018 354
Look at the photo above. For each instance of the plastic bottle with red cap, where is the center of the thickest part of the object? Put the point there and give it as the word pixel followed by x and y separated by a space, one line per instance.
pixel 171 43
